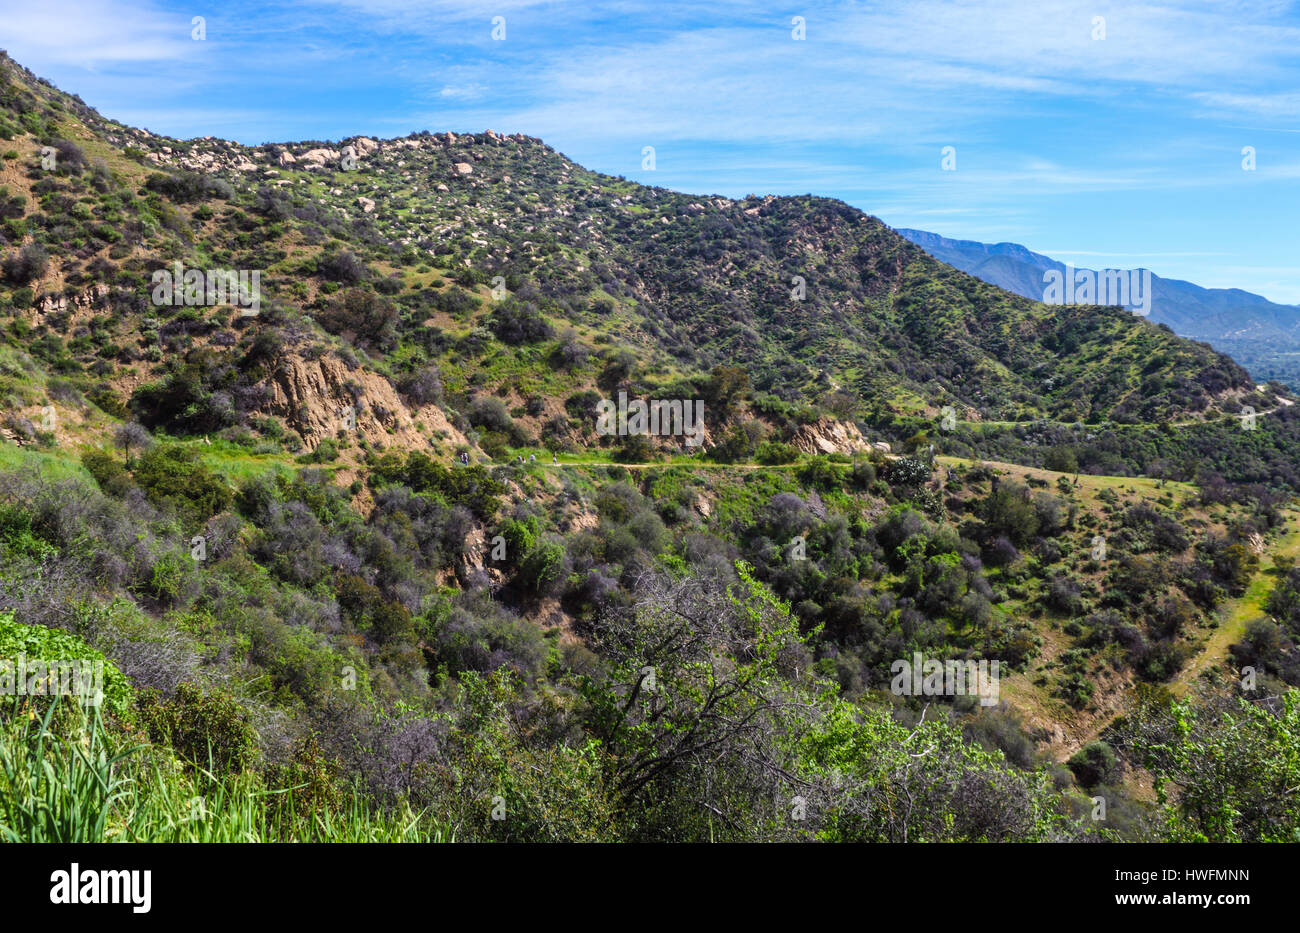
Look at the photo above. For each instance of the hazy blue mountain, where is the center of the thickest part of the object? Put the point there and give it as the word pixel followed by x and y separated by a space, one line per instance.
pixel 1260 334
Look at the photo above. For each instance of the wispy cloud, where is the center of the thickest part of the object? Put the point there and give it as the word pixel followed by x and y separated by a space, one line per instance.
pixel 94 33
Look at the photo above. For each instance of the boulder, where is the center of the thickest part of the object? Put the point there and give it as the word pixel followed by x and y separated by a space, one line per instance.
pixel 827 436
pixel 320 156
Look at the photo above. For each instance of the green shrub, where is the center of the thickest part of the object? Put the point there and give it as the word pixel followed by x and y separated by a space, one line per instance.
pixel 52 644
pixel 209 731
pixel 111 476
pixel 172 475
pixel 542 566
pixel 1093 764
pixel 776 453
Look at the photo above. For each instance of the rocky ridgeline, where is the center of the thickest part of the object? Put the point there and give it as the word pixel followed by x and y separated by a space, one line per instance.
pixel 210 154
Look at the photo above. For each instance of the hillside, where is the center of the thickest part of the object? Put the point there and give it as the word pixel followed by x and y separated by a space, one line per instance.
pixel 356 536
pixel 636 285
pixel 1260 334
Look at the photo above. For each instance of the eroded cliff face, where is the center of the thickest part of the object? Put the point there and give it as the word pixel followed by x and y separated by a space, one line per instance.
pixel 319 397
pixel 828 436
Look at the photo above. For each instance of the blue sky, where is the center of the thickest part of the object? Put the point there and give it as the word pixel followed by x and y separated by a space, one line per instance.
pixel 1124 151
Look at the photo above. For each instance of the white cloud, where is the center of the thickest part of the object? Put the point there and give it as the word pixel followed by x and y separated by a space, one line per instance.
pixel 94 33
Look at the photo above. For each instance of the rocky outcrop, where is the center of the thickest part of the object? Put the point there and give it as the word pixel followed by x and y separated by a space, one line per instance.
pixel 319 398
pixel 828 436
pixel 93 297
pixel 320 156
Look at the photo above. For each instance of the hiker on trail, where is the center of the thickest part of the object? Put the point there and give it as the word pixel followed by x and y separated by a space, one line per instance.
pixel 532 458
pixel 555 458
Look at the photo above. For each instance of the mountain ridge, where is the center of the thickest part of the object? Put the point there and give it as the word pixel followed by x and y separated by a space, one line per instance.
pixel 695 281
pixel 1264 333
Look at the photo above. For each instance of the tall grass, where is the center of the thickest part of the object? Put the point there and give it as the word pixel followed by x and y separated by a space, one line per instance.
pixel 62 780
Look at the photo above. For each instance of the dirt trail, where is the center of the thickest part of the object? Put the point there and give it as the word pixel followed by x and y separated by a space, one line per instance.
pixel 1237 613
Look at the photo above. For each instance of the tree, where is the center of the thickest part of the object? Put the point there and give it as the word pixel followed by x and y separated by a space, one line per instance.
pixel 726 386
pixel 1010 511
pixel 692 707
pixel 1226 770
pixel 132 435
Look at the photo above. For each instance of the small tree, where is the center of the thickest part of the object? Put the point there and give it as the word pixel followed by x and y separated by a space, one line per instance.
pixel 132 435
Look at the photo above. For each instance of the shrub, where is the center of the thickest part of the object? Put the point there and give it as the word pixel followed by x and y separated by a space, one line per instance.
pixel 172 475
pixel 184 187
pixel 343 267
pixel 423 386
pixel 369 317
pixel 209 731
pixel 820 473
pixel 1093 764
pixel 52 644
pixel 514 323
pixel 26 265
pixel 542 566
pixel 326 451
pixel 776 453
pixel 1009 512
pixel 69 158
pixel 907 473
pixel 111 476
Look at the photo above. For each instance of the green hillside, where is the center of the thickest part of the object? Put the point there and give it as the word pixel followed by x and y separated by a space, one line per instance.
pixel 371 569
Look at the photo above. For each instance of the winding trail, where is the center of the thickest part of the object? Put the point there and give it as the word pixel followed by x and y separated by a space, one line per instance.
pixel 1238 613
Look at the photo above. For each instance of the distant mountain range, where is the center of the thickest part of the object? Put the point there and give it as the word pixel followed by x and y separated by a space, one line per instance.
pixel 1261 335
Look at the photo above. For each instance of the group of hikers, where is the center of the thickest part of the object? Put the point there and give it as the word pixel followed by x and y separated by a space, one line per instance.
pixel 532 458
